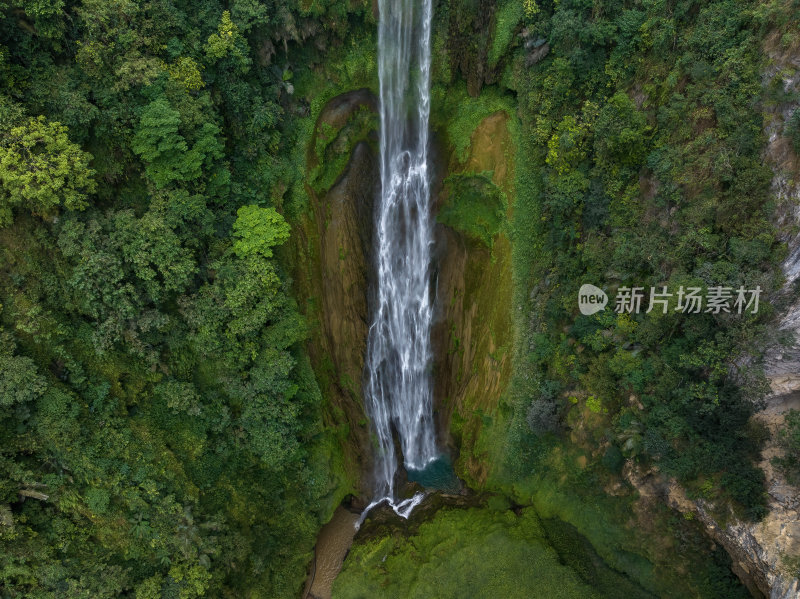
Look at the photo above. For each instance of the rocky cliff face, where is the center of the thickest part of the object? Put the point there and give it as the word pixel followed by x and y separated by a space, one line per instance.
pixel 783 363
pixel 333 241
pixel 473 334
pixel 769 543
pixel 758 549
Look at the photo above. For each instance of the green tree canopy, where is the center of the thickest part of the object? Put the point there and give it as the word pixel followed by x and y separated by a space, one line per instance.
pixel 257 230
pixel 165 151
pixel 40 169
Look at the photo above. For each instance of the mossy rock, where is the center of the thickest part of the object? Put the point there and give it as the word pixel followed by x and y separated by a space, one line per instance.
pixel 343 123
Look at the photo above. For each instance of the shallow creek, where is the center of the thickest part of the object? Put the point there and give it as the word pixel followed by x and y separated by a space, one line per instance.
pixel 333 543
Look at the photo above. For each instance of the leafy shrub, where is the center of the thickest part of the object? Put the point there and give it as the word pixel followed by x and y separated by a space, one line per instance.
pixel 542 416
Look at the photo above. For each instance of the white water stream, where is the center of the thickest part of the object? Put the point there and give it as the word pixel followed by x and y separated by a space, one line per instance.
pixel 398 391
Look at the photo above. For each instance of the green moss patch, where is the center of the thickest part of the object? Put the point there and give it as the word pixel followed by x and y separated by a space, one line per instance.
pixel 477 553
pixel 332 148
pixel 475 206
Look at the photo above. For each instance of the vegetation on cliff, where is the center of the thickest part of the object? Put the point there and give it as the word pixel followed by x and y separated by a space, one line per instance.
pixel 640 165
pixel 497 551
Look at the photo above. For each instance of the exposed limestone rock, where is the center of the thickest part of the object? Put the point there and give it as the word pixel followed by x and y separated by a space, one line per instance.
pixel 783 364
pixel 778 535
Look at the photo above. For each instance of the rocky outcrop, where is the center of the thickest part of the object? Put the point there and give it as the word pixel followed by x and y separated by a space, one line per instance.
pixel 783 362
pixel 332 245
pixel 757 549
pixel 536 48
pixel 777 538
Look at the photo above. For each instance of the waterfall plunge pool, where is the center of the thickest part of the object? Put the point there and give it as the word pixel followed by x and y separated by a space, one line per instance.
pixel 438 475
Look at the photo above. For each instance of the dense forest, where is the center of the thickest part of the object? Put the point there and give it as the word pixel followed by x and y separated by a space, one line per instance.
pixel 161 431
pixel 169 426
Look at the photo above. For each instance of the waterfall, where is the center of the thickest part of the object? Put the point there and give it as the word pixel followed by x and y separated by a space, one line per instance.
pixel 398 387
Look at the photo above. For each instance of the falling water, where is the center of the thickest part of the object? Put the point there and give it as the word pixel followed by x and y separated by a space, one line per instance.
pixel 398 390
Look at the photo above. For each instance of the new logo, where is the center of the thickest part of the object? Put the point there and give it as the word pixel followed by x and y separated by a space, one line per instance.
pixel 591 299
